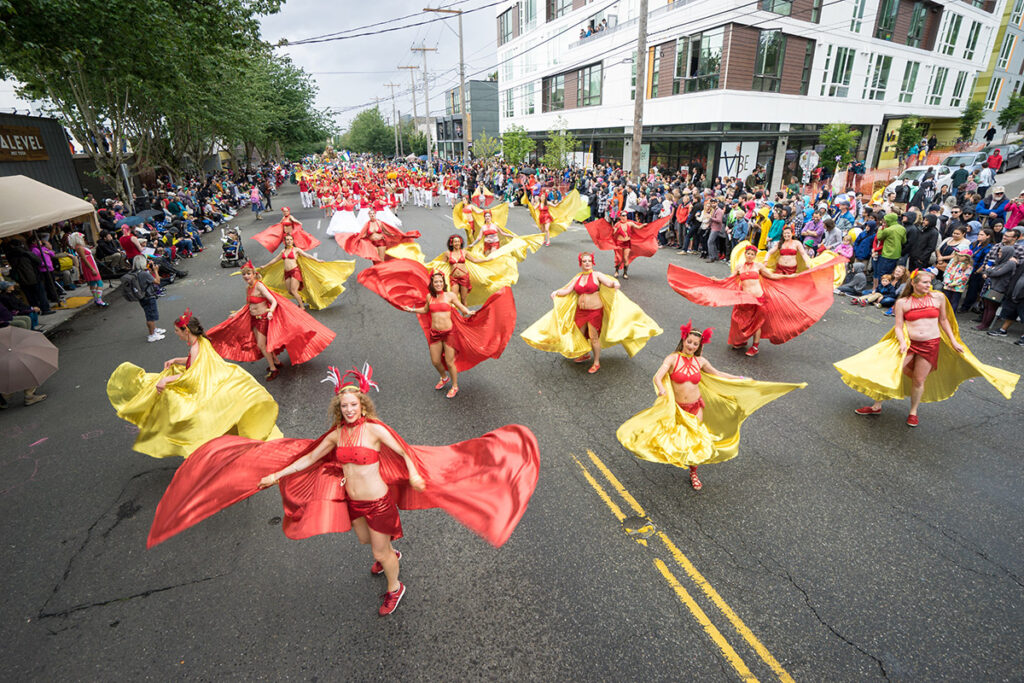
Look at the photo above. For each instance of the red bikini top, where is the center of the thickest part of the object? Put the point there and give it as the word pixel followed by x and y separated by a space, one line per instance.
pixel 254 299
pixel 749 275
pixel 787 252
pixel 490 229
pixel 435 306
pixel 689 371
pixel 347 454
pixel 916 310
pixel 289 255
pixel 590 287
pixel 622 231
pixel 461 258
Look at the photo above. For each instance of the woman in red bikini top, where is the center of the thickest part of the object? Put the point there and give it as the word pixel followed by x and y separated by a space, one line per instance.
pixel 439 305
pixel 457 257
pixel 589 307
pixel 354 448
pixel 189 330
pixel 923 312
pixel 292 272
pixel 544 218
pixel 490 233
pixel 261 309
pixel 749 274
pixel 376 231
pixel 684 368
pixel 623 244
pixel 790 251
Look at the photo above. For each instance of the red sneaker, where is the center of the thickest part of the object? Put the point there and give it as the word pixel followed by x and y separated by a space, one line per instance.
pixel 377 569
pixel 752 351
pixel 391 600
pixel 912 421
pixel 869 410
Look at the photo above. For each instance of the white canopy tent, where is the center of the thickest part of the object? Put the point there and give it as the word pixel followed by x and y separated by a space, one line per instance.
pixel 27 204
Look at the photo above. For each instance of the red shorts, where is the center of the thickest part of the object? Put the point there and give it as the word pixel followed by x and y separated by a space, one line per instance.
pixel 785 270
pixel 381 515
pixel 692 408
pixel 593 316
pixel 624 245
pixel 295 274
pixel 928 350
pixel 462 281
pixel 259 324
pixel 544 216
pixel 438 335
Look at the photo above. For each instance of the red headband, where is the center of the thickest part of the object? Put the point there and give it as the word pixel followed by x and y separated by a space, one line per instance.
pixel 687 329
pixel 750 247
pixel 585 253
pixel 249 265
pixel 183 320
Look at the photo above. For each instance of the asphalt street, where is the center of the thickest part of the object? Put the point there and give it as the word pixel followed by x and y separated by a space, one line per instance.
pixel 834 547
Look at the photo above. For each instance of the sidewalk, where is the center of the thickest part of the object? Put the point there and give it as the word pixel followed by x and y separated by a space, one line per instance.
pixel 50 323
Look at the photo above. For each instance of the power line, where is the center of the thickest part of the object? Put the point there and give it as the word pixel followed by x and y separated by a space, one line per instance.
pixel 379 23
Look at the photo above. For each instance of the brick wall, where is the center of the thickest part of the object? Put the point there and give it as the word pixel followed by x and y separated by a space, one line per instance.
pixel 571 89
pixel 667 68
pixel 931 27
pixel 738 58
pixel 802 9
pixel 793 64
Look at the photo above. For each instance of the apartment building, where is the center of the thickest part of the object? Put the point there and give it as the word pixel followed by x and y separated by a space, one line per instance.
pixel 734 83
pixel 482 106
pixel 1004 74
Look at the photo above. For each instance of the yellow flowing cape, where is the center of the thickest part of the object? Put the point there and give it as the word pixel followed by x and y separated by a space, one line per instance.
pixel 487 278
pixel 322 282
pixel 667 434
pixel 736 258
pixel 210 399
pixel 624 323
pixel 499 215
pixel 877 372
pixel 562 214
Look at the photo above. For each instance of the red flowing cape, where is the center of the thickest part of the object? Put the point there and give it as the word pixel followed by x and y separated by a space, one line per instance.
pixel 360 244
pixel 643 240
pixel 485 334
pixel 273 237
pixel 291 329
pixel 788 307
pixel 485 483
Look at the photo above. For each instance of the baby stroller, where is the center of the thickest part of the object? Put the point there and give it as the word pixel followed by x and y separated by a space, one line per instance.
pixel 233 253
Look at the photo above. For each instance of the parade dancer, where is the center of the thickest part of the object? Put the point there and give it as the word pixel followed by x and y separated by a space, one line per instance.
pixel 306 278
pixel 374 239
pixel 787 256
pixel 590 314
pixel 357 476
pixel 922 357
pixel 273 236
pixel 697 416
pixel 628 239
pixel 196 398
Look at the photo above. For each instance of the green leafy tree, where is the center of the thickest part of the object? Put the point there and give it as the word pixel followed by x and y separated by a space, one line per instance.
pixel 559 146
pixel 1010 116
pixel 969 119
pixel 516 144
pixel 910 132
pixel 839 142
pixel 368 132
pixel 486 146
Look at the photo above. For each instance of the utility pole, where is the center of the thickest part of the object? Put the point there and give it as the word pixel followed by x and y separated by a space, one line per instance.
pixel 641 91
pixel 394 116
pixel 467 128
pixel 401 151
pixel 426 99
pixel 412 90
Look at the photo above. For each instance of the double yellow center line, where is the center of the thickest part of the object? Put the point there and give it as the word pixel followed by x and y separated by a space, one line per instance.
pixel 646 529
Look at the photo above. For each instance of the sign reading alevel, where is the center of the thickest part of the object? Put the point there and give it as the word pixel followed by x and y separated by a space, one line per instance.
pixel 22 143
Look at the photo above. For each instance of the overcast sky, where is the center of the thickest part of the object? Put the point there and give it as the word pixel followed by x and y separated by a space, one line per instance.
pixel 353 71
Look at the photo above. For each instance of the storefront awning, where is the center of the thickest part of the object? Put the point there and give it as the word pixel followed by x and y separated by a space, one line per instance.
pixel 27 204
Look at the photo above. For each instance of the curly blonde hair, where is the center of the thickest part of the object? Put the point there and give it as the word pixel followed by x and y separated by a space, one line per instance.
pixel 334 411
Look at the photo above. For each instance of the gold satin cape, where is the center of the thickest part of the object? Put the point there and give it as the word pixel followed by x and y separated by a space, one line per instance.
pixel 499 215
pixel 667 434
pixel 487 278
pixel 562 214
pixel 210 399
pixel 515 245
pixel 877 372
pixel 736 259
pixel 322 282
pixel 624 323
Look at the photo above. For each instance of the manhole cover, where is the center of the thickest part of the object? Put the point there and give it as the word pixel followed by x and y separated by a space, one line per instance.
pixel 638 527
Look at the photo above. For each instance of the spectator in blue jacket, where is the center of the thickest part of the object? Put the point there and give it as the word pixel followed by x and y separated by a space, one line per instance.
pixel 862 245
pixel 994 206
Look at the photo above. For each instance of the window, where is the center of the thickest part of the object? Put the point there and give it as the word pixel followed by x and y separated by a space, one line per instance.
pixel 951 33
pixel 553 95
pixel 1009 42
pixel 992 98
pixel 527 15
pixel 937 85
pixel 838 69
pixel 526 105
pixel 588 86
pixel 858 15
pixel 917 19
pixel 816 11
pixel 972 38
pixel 805 75
pixel 557 8
pixel 1018 12
pixel 886 19
pixel 698 61
pixel 877 77
pixel 504 27
pixel 958 89
pixel 655 63
pixel 506 102
pixel 778 6
pixel 909 81
pixel 771 51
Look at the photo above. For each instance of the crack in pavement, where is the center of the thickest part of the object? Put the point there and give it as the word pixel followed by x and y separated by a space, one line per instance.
pixel 143 594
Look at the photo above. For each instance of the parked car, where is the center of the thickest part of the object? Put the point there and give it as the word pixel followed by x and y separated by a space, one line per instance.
pixel 943 175
pixel 972 161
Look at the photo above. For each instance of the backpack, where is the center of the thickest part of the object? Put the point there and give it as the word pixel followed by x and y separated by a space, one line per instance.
pixel 132 288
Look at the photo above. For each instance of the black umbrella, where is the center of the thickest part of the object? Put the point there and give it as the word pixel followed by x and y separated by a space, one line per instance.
pixel 139 218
